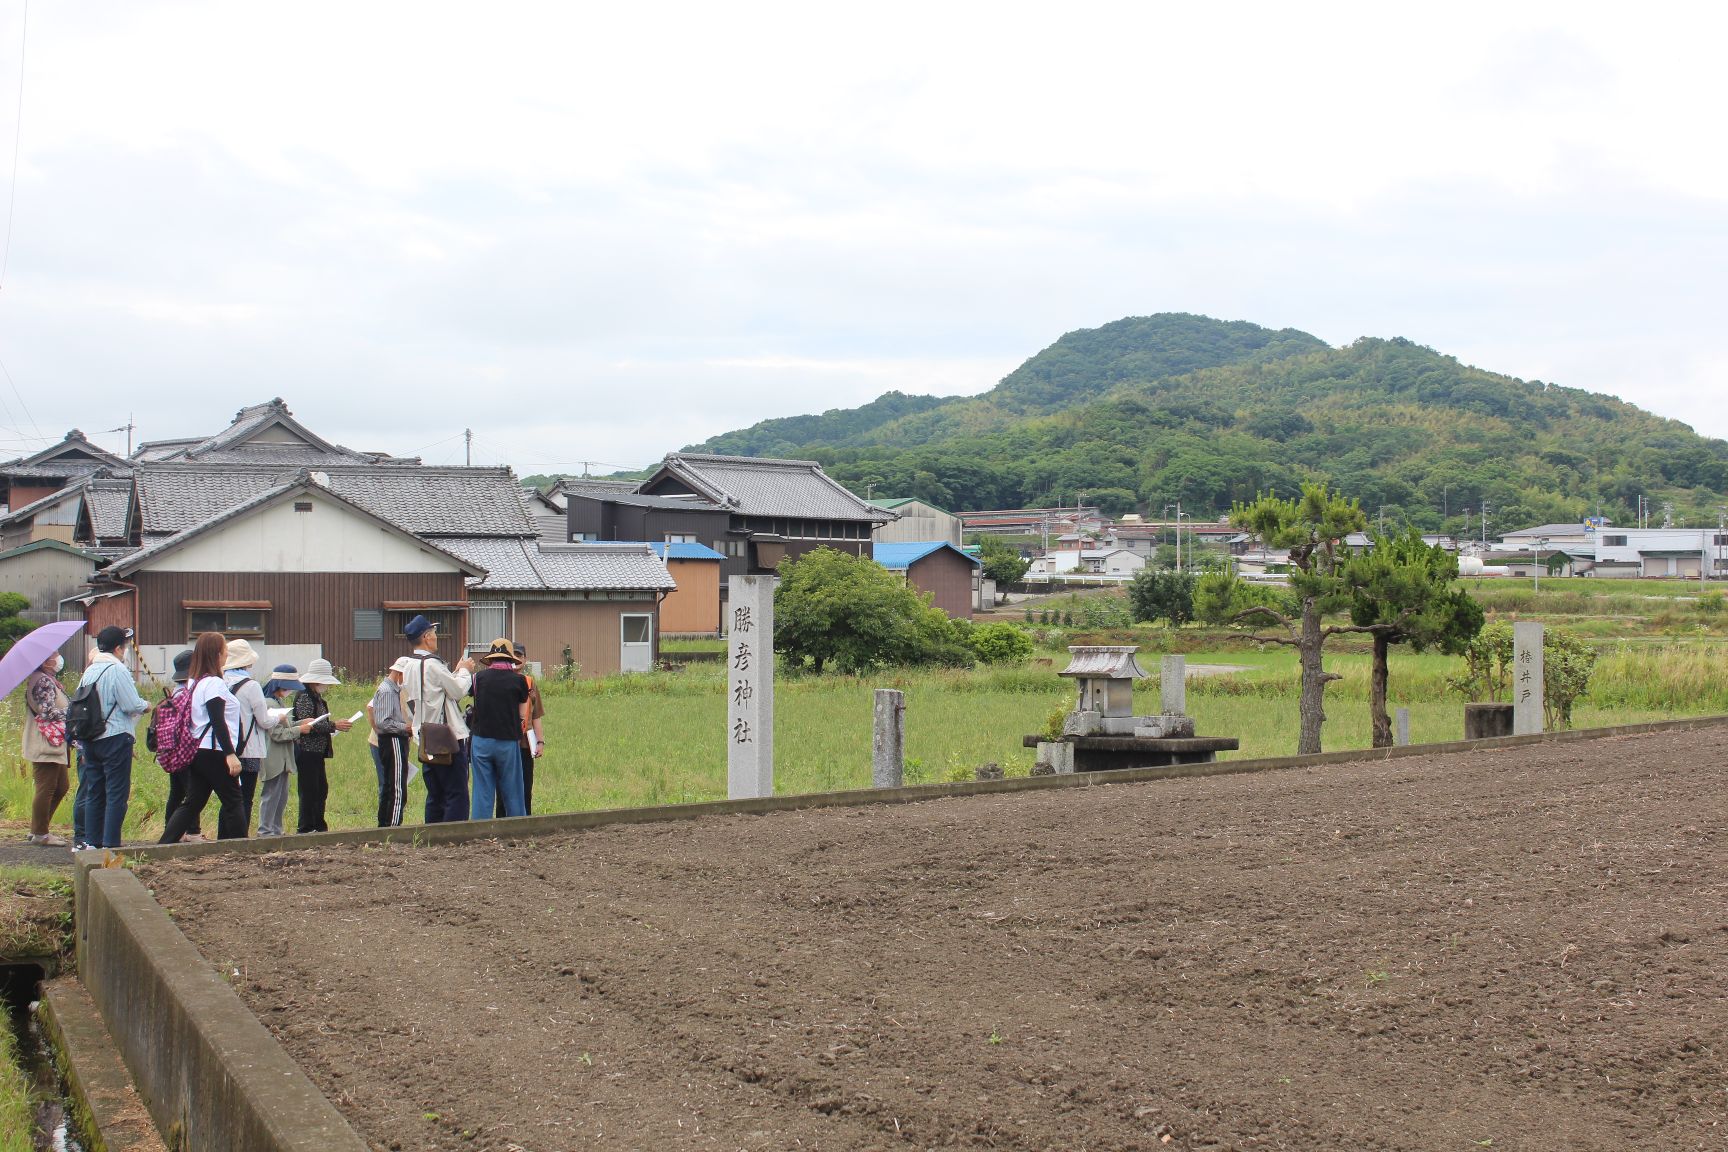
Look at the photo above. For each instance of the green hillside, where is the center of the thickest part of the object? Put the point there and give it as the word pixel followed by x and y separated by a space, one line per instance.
pixel 1148 410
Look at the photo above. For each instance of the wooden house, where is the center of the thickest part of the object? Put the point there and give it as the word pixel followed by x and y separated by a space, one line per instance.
pixel 775 509
pixel 937 567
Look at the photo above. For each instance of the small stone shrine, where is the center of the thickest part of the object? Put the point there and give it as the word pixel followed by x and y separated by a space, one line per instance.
pixel 1102 732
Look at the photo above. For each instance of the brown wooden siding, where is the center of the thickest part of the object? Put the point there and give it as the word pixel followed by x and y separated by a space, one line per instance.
pixel 695 607
pixel 590 627
pixel 305 608
pixel 949 577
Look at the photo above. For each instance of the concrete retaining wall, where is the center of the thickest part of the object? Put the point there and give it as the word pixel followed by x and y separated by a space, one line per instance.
pixel 209 1073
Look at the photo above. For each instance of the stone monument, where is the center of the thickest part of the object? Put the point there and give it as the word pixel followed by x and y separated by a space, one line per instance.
pixel 750 687
pixel 1527 719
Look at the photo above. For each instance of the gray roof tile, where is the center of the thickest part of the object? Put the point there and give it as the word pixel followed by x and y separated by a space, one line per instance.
pixel 109 503
pixel 527 566
pixel 766 487
pixel 156 544
pixel 425 500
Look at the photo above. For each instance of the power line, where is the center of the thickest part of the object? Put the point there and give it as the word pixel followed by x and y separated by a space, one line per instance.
pixel 17 137
pixel 19 396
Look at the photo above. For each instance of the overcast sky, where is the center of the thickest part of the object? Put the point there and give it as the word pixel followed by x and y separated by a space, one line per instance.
pixel 602 231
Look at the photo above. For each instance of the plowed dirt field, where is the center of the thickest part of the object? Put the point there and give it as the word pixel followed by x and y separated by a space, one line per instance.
pixel 1513 949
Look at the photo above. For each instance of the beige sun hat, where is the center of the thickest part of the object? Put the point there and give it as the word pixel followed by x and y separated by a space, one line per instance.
pixel 240 655
pixel 319 672
pixel 403 663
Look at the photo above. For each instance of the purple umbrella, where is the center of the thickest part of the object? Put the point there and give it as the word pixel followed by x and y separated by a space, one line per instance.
pixel 33 650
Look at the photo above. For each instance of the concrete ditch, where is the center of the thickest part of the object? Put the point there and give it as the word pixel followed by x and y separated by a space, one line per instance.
pixel 212 1076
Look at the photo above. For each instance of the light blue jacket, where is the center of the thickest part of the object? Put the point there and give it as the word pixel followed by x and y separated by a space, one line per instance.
pixel 121 703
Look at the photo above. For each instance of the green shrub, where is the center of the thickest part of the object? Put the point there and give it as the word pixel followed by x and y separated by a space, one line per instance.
pixel 1000 643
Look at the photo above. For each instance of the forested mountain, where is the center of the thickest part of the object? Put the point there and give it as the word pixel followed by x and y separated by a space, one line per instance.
pixel 1154 409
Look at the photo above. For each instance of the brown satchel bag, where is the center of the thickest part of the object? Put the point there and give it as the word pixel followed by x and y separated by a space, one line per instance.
pixel 438 744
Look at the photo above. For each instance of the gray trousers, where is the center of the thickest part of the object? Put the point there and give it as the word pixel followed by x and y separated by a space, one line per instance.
pixel 272 804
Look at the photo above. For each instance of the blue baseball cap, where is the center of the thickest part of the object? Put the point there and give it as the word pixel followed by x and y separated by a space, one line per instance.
pixel 418 627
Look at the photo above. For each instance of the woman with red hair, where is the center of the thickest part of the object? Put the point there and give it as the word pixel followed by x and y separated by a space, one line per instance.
pixel 216 765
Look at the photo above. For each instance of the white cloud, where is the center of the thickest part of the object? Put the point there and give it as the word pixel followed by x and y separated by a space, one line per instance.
pixel 592 231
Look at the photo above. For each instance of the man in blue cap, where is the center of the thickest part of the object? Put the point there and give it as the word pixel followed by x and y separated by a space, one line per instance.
pixel 432 697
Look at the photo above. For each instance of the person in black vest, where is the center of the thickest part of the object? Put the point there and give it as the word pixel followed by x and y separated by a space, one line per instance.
pixel 313 750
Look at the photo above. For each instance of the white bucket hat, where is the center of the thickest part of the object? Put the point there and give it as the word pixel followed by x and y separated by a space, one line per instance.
pixel 319 672
pixel 240 655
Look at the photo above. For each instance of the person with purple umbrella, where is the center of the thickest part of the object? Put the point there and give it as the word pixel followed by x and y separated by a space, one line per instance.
pixel 45 747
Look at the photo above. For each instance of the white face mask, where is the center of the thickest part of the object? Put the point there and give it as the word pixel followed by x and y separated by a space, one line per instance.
pixel 59 664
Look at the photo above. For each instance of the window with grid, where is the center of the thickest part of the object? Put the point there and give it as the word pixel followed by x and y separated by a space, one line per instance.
pixel 233 623
pixel 487 622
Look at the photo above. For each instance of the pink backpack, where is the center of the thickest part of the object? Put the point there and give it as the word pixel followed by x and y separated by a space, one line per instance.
pixel 174 741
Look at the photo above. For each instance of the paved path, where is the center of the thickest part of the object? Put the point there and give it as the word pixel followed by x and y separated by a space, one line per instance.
pixel 14 851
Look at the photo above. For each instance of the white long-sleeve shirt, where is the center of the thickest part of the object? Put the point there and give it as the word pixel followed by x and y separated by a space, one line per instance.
pixel 432 694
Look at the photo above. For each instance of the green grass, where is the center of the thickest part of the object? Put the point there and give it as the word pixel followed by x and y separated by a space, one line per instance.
pixel 17 1109
pixel 35 913
pixel 35 922
pixel 657 738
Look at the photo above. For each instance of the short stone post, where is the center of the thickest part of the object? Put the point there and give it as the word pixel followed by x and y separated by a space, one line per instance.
pixel 750 687
pixel 1401 732
pixel 888 753
pixel 1173 686
pixel 1527 719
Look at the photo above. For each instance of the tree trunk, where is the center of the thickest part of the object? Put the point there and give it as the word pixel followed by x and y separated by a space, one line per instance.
pixel 1312 707
pixel 1377 692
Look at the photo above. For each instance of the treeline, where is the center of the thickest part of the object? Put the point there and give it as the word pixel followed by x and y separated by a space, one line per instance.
pixel 1153 410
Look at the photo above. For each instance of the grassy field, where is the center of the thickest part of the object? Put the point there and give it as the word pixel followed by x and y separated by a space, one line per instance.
pixel 656 738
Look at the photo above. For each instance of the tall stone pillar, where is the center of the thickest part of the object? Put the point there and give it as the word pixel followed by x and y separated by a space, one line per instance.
pixel 1527 717
pixel 750 687
pixel 1173 686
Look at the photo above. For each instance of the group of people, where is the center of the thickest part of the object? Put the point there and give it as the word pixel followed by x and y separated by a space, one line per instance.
pixel 227 735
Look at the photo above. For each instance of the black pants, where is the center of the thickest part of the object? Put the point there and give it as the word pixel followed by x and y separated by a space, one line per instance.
pixel 248 788
pixel 177 797
pixel 314 790
pixel 391 759
pixel 447 788
pixel 208 773
pixel 527 787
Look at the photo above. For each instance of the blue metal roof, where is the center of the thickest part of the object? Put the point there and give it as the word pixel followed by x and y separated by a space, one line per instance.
pixel 901 555
pixel 685 552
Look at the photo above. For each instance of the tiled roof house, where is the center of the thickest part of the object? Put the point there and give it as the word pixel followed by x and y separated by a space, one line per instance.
pixel 775 509
pixel 268 531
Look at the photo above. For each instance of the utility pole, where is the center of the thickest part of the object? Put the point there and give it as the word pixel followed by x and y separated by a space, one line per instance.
pixel 1484 526
pixel 1178 507
pixel 468 447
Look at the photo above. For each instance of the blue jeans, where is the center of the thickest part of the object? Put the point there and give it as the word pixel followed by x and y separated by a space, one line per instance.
pixel 104 791
pixel 497 771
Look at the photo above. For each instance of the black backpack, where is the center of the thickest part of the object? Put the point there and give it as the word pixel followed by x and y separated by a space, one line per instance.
pixel 85 720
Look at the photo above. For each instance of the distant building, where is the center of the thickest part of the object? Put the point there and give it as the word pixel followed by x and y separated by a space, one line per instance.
pixel 775 509
pixel 1089 562
pixel 693 609
pixel 1605 551
pixel 936 567
pixel 918 521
